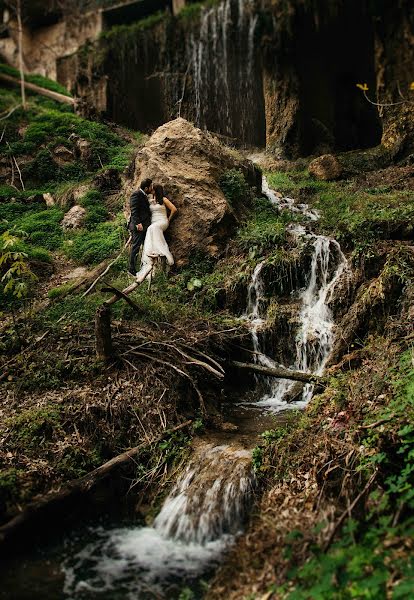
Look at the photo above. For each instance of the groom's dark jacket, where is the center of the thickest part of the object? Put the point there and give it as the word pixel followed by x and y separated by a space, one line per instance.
pixel 140 211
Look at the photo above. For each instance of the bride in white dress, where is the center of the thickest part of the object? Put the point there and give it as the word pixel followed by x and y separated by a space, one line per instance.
pixel 155 245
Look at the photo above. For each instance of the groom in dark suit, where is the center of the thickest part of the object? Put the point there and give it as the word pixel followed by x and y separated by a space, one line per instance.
pixel 139 221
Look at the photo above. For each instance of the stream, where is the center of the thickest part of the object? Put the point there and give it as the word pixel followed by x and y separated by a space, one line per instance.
pixel 209 504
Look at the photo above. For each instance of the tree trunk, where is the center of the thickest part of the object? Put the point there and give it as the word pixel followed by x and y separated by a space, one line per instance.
pixel 20 51
pixel 278 372
pixel 104 347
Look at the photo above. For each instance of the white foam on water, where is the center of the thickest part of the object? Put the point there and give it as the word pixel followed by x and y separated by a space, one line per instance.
pixel 199 519
pixel 316 331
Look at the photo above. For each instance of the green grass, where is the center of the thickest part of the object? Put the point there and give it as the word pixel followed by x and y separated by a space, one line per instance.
pixel 355 217
pixel 264 230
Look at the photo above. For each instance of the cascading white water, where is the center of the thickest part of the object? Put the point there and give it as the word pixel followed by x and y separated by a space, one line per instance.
pixel 315 335
pixel 200 517
pixel 222 61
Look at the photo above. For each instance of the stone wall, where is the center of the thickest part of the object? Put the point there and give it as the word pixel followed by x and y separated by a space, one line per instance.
pixel 44 46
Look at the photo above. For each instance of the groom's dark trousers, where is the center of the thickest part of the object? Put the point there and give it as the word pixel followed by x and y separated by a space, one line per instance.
pixel 140 214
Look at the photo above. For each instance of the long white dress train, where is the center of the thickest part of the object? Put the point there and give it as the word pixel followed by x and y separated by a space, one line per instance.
pixel 155 244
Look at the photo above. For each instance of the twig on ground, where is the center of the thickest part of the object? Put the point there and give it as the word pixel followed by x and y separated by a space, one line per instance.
pixel 9 114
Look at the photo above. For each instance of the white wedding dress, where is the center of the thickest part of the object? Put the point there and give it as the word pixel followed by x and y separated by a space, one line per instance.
pixel 155 245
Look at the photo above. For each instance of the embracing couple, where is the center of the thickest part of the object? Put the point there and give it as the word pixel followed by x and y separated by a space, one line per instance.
pixel 151 213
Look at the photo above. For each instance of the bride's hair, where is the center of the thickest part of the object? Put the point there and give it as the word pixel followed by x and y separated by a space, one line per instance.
pixel 159 193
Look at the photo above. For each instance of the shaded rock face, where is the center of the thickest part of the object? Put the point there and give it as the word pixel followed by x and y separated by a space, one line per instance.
pixel 189 163
pixel 262 72
pixel 325 167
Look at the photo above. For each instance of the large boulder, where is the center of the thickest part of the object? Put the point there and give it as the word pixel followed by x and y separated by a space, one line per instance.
pixel 189 163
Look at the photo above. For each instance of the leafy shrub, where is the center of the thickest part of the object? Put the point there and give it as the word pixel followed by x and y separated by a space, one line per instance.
pixel 15 273
pixel 235 188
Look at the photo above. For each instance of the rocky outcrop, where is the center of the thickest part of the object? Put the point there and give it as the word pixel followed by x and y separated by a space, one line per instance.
pixel 189 163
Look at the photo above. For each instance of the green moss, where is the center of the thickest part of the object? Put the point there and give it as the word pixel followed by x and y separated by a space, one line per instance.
pixel 39 80
pixel 34 426
pixel 121 33
pixel 91 247
pixel 192 11
pixel 62 290
pixel 96 211
pixel 43 227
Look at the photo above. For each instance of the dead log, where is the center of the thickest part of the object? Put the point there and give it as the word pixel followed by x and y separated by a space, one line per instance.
pixel 130 288
pixel 39 90
pixel 83 485
pixel 279 372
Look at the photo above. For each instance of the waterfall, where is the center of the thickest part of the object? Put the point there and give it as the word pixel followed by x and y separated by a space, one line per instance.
pixel 198 520
pixel 227 86
pixel 315 335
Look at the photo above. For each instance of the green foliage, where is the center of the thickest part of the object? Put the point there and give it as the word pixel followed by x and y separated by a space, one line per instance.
pixel 15 272
pixel 43 227
pixel 96 211
pixel 265 229
pixel 77 461
pixel 39 80
pixel 257 458
pixel 122 33
pixel 193 11
pixel 233 184
pixel 374 551
pixel 91 247
pixel 9 487
pixel 34 426
pixel 186 593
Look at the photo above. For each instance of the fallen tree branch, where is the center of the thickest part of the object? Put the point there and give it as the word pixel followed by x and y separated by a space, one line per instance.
pixel 131 287
pixel 39 90
pixel 91 287
pixel 78 486
pixel 119 295
pixel 279 372
pixel 9 114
